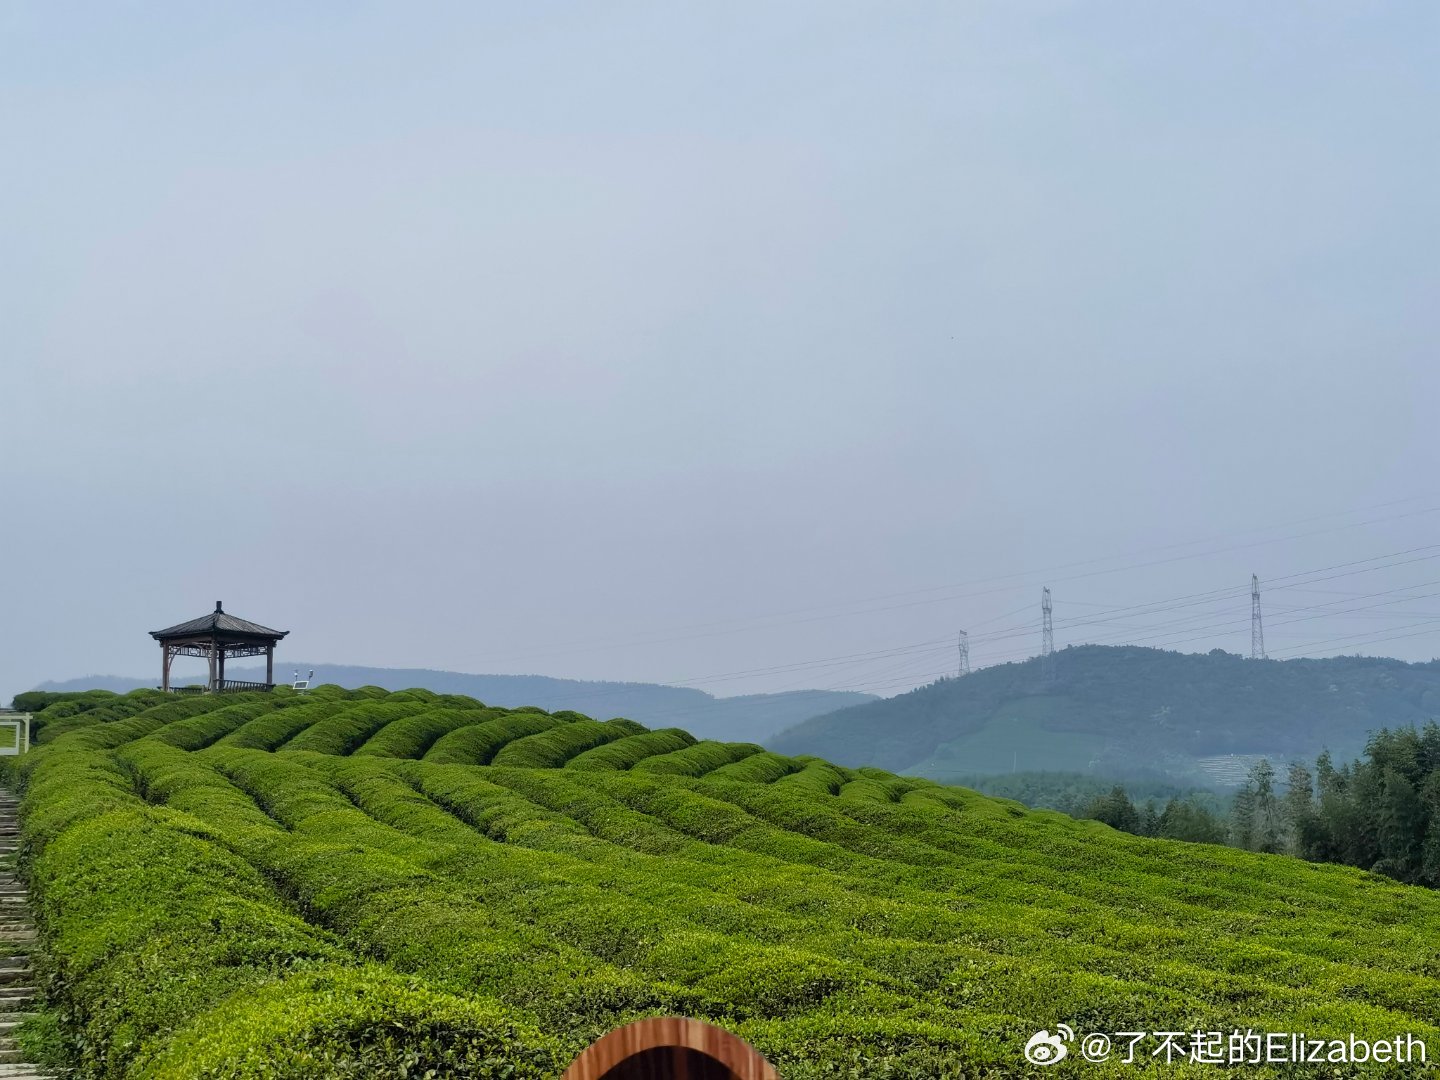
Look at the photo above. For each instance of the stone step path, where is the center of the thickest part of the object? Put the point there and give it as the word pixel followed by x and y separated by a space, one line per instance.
pixel 17 931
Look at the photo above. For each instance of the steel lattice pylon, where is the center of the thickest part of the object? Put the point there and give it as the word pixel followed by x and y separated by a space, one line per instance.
pixel 1257 625
pixel 1047 640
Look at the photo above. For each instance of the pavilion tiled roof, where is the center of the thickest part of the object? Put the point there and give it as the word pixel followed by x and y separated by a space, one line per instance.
pixel 217 622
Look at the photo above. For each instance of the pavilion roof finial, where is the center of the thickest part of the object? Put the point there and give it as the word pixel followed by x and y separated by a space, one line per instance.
pixel 218 609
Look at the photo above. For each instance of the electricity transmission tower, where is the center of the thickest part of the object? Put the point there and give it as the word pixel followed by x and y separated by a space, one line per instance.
pixel 1257 627
pixel 1047 640
pixel 964 654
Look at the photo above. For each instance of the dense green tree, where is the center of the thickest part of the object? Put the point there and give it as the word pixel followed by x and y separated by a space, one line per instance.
pixel 1430 846
pixel 1150 819
pixel 1327 779
pixel 1356 825
pixel 1116 810
pixel 1401 828
pixel 1242 818
pixel 1185 820
pixel 1268 830
pixel 1297 808
pixel 1380 813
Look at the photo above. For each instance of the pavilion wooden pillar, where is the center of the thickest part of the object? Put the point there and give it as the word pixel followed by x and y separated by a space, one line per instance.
pixel 167 656
pixel 270 665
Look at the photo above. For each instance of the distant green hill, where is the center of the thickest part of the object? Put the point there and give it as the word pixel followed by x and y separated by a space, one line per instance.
pixel 748 718
pixel 1122 710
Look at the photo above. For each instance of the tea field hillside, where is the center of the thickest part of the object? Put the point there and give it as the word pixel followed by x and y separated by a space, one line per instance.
pixel 364 883
pixel 747 717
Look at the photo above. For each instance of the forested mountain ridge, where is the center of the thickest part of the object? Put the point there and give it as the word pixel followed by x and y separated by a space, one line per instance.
pixel 1123 709
pixel 747 718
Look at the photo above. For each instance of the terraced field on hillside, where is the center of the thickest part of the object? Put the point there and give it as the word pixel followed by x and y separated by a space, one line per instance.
pixel 356 883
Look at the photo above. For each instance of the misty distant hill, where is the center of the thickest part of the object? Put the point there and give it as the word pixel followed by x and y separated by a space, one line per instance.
pixel 1124 710
pixel 750 718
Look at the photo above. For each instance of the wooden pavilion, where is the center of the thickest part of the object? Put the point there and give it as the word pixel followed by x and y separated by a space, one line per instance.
pixel 217 637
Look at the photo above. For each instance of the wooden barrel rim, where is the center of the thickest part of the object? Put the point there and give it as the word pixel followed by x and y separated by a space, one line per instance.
pixel 623 1043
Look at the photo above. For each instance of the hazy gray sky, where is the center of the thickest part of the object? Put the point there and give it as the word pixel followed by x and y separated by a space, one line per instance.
pixel 583 339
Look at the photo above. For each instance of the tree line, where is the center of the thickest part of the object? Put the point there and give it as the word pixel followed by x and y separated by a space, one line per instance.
pixel 1380 813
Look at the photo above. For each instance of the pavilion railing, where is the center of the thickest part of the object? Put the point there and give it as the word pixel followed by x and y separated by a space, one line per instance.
pixel 229 686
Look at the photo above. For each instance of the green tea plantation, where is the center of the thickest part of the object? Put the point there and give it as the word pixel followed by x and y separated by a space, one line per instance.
pixel 358 883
